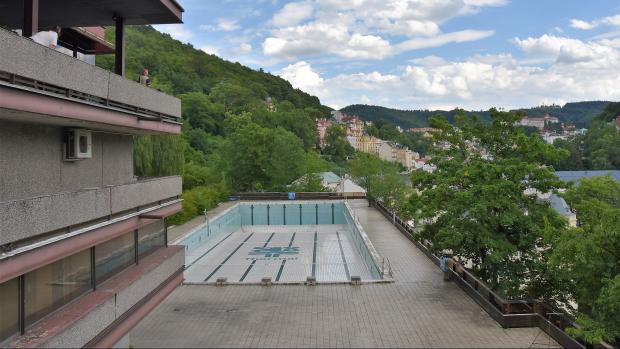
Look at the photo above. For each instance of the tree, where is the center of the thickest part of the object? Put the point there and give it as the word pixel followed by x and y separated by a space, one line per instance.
pixel 574 161
pixel 381 179
pixel 157 156
pixel 602 146
pixel 338 147
pixel 286 156
pixel 482 203
pixel 589 256
pixel 201 113
pixel 256 158
pixel 309 183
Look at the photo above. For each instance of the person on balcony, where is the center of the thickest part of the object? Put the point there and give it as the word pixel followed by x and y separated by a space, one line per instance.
pixel 144 78
pixel 48 38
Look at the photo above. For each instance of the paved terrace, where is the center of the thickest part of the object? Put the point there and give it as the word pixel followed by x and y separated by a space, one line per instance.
pixel 418 310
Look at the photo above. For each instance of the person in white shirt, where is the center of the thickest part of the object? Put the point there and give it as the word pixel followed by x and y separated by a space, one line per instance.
pixel 47 38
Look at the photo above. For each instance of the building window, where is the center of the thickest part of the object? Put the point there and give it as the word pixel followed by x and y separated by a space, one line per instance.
pixel 151 237
pixel 55 285
pixel 9 309
pixel 113 256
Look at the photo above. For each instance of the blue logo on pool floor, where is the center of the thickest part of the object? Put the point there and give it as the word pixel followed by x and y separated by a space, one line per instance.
pixel 274 251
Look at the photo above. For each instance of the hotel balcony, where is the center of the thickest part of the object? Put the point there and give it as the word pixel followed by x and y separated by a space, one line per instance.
pixel 24 219
pixel 84 252
pixel 44 86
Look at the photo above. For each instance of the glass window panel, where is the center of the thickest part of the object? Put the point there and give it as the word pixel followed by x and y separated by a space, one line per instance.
pixel 151 237
pixel 113 256
pixel 55 285
pixel 9 309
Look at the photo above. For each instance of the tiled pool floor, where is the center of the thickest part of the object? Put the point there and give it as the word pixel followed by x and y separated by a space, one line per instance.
pixel 286 254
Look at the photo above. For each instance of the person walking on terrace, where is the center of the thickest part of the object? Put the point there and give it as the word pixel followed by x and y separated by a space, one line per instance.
pixel 48 38
pixel 145 78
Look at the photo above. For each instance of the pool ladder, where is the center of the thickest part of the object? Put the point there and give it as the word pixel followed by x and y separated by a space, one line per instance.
pixel 386 268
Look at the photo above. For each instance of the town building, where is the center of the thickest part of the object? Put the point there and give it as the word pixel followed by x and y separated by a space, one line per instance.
pixel 550 137
pixel 367 144
pixel 321 126
pixel 354 125
pixel 427 132
pixel 539 122
pixel 84 254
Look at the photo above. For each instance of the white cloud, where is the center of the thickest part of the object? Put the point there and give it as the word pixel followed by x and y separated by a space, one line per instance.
pixel 486 2
pixel 579 24
pixel 562 50
pixel 315 39
pixel 584 25
pixel 227 25
pixel 368 29
pixel 546 46
pixel 212 50
pixel 243 49
pixel 577 71
pixel 301 76
pixel 177 31
pixel 443 39
pixel 293 13
pixel 222 24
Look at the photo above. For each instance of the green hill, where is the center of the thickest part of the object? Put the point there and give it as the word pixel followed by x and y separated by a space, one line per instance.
pixel 178 68
pixel 580 113
pixel 403 118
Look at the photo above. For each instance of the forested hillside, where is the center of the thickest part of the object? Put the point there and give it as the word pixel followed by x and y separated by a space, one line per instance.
pixel 403 118
pixel 233 138
pixel 178 68
pixel 599 149
pixel 580 113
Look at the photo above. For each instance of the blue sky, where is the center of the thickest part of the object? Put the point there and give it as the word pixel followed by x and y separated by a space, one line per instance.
pixel 417 54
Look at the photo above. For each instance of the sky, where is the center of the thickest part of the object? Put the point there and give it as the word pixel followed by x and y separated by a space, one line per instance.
pixel 419 54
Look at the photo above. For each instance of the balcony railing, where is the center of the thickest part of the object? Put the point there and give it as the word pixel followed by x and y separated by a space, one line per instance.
pixel 25 219
pixel 27 65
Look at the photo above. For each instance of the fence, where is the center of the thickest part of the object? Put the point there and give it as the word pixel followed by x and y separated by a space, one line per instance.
pixel 259 196
pixel 508 313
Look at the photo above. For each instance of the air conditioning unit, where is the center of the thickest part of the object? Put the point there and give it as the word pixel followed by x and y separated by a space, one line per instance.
pixel 78 144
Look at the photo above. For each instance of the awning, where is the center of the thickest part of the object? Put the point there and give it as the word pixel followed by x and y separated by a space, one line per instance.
pixel 89 13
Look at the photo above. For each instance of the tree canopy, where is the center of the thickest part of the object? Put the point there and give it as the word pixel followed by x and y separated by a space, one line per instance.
pixel 589 256
pixel 337 145
pixel 482 201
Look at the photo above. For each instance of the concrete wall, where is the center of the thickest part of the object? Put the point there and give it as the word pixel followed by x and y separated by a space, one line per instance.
pixel 23 219
pixel 31 162
pixel 26 58
pixel 82 331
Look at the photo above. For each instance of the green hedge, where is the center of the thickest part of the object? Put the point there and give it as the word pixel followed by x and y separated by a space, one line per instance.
pixel 196 200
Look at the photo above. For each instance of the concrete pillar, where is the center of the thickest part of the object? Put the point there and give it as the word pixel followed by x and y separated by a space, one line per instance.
pixel 119 60
pixel 31 18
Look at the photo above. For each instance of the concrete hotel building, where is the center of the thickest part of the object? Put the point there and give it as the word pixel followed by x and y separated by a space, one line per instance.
pixel 84 254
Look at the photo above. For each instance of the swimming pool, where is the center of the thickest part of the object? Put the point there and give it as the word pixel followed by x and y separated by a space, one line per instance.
pixel 286 241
